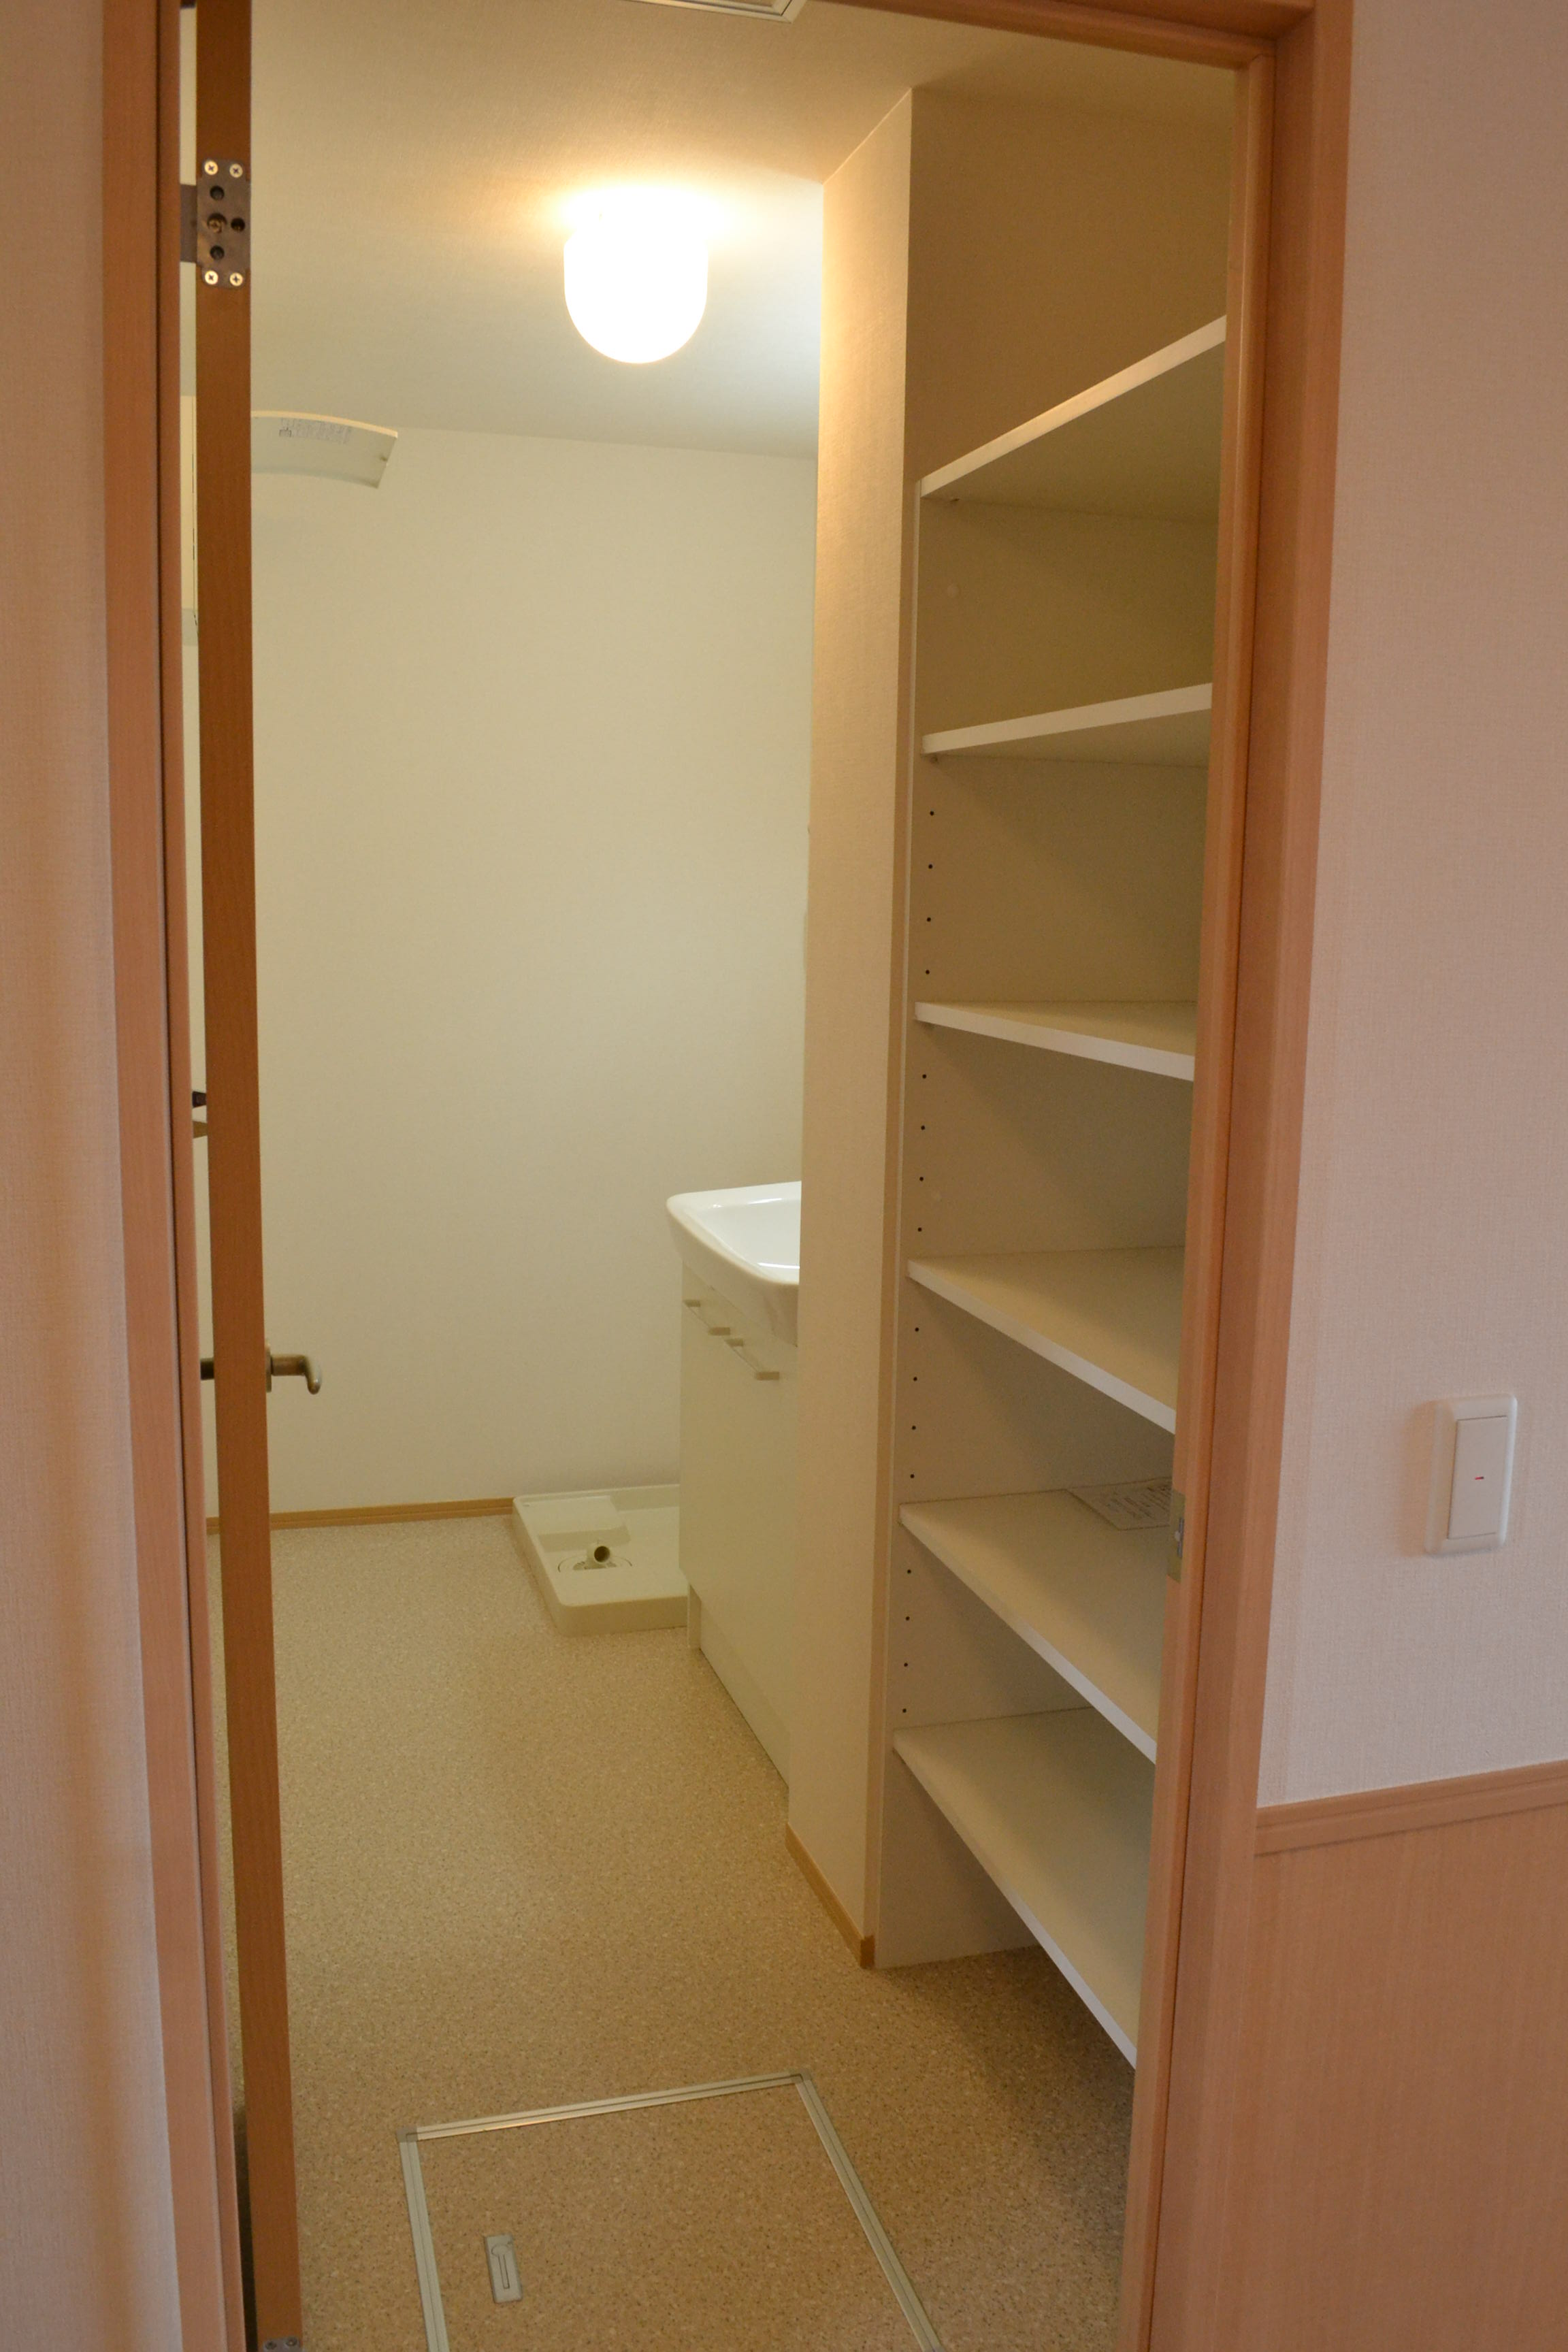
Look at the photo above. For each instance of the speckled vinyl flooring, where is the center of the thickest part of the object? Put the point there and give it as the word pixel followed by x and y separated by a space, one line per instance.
pixel 523 1870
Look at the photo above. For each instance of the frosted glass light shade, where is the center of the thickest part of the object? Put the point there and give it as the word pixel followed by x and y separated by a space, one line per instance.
pixel 637 277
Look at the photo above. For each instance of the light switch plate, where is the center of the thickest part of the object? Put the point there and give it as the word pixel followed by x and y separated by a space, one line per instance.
pixel 1472 1473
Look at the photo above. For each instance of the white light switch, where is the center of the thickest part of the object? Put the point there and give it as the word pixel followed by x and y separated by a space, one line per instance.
pixel 1472 1470
pixel 1479 1497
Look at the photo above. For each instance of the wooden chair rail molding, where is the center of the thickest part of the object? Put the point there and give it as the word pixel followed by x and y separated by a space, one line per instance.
pixel 1203 32
pixel 1421 1805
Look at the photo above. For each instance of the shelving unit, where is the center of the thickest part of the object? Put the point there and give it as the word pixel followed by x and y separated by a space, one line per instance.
pixel 1056 1809
pixel 1088 1598
pixel 1110 1318
pixel 1056 884
pixel 1159 1038
pixel 1169 730
pixel 1144 441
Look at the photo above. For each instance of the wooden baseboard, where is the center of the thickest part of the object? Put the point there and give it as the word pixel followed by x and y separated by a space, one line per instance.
pixel 863 1946
pixel 382 1514
pixel 1418 1805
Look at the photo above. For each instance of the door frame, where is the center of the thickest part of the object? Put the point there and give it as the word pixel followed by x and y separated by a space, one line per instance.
pixel 1294 61
pixel 140 102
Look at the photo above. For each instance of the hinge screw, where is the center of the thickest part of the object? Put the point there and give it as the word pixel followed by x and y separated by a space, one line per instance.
pixel 209 278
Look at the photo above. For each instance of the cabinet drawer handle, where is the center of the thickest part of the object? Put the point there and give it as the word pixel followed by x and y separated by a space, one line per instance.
pixel 714 1330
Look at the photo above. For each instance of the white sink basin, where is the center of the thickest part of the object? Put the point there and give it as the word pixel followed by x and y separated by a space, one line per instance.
pixel 747 1245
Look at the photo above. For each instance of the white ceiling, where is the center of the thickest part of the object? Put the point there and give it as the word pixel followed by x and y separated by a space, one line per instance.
pixel 413 160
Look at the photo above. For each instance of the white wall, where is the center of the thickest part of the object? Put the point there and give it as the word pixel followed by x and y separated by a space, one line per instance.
pixel 87 2251
pixel 1433 1254
pixel 531 745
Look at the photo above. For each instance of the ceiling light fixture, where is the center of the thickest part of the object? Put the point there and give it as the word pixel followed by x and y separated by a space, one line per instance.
pixel 637 275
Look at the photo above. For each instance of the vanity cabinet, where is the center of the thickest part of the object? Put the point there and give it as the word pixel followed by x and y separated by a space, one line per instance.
pixel 737 1425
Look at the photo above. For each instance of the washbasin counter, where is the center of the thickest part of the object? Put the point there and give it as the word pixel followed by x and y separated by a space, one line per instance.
pixel 746 1243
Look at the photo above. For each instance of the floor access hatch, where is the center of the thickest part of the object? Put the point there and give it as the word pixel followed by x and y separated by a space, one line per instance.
pixel 722 2217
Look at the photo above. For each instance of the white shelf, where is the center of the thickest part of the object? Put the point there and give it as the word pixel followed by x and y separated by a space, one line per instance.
pixel 1088 1598
pixel 1162 1038
pixel 1057 1809
pixel 1146 441
pixel 1111 1318
pixel 1170 730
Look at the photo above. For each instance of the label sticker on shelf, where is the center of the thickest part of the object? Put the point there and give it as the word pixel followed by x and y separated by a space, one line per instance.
pixel 1136 1503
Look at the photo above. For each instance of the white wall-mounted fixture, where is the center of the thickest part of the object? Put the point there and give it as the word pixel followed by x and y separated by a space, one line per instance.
pixel 1472 1473
pixel 288 441
pixel 636 274
pixel 782 11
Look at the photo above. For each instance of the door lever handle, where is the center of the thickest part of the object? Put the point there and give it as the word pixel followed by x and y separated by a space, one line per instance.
pixel 304 1367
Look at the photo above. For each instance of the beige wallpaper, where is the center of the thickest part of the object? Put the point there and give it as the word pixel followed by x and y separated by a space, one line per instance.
pixel 86 2239
pixel 1433 1252
pixel 531 740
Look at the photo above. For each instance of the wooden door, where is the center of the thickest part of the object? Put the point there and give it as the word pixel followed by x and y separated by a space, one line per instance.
pixel 234 1156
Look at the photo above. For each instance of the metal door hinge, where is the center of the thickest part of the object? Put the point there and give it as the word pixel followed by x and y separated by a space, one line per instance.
pixel 214 223
pixel 1178 1536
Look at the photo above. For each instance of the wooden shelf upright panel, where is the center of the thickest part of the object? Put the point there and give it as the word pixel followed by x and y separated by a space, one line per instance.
pixel 1110 1318
pixel 1088 1597
pixel 1143 442
pixel 1056 1809
pixel 1169 730
pixel 1159 1038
